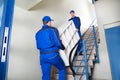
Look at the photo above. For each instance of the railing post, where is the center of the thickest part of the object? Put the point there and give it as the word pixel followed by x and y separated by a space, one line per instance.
pixel 85 59
pixel 95 42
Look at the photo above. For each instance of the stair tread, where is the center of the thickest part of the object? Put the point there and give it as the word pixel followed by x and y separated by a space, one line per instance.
pixel 79 71
pixel 70 77
pixel 68 70
pixel 90 63
pixel 80 57
pixel 89 51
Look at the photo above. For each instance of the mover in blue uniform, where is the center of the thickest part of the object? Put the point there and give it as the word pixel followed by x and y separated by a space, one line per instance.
pixel 76 20
pixel 49 43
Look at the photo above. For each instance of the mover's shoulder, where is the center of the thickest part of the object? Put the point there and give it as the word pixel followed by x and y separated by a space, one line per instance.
pixel 54 28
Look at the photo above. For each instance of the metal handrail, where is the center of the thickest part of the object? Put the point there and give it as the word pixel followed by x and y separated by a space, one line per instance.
pixel 70 62
pixel 89 26
pixel 85 59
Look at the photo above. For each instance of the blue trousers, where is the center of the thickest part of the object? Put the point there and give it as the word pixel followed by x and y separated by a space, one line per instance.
pixel 80 45
pixel 47 60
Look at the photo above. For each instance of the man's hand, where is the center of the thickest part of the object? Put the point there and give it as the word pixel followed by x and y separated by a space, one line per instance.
pixel 76 30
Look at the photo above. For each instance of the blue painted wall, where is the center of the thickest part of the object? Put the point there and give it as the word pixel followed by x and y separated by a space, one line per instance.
pixel 113 42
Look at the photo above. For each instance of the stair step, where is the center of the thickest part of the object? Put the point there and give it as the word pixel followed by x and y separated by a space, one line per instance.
pixel 80 71
pixel 68 70
pixel 77 63
pixel 90 48
pixel 70 77
pixel 80 57
pixel 89 43
pixel 89 51
pixel 90 36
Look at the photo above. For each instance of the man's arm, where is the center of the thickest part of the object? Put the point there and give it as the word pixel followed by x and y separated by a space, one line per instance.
pixel 57 40
pixel 78 23
pixel 70 19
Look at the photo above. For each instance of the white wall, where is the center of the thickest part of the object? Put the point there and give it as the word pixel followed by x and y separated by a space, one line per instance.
pixel 59 11
pixel 107 11
pixel 24 57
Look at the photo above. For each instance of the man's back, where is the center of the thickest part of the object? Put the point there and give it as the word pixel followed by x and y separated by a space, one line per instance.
pixel 48 39
pixel 44 39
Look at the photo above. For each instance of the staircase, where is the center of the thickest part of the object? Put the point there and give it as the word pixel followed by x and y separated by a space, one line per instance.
pixel 82 65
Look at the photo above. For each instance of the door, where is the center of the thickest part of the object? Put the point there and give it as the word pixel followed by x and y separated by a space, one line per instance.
pixel 113 43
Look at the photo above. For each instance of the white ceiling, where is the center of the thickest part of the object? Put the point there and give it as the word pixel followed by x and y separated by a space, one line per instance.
pixel 27 4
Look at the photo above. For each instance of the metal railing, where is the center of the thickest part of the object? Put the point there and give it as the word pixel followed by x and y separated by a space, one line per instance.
pixel 89 43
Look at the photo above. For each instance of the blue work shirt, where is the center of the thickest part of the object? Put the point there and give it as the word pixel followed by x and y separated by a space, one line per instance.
pixel 48 40
pixel 76 21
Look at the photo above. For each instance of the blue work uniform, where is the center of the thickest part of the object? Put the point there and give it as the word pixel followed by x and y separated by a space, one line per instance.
pixel 77 22
pixel 49 43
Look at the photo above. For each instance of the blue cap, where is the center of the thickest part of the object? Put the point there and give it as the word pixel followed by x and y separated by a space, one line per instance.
pixel 47 18
pixel 72 11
